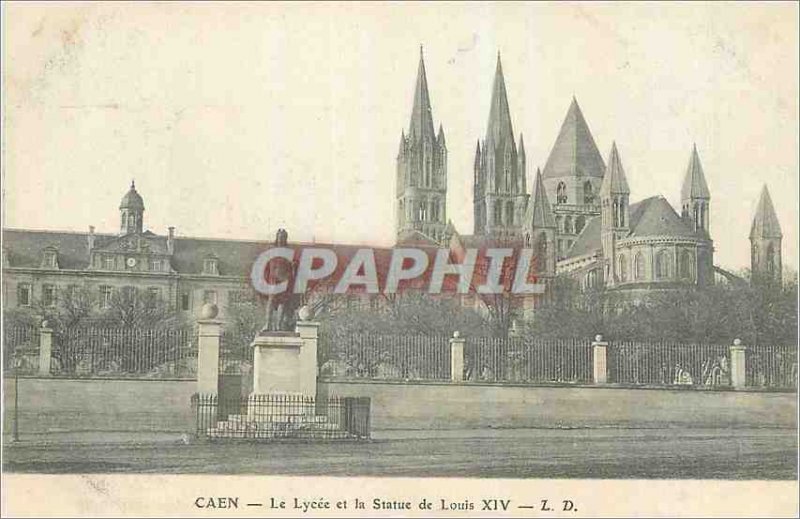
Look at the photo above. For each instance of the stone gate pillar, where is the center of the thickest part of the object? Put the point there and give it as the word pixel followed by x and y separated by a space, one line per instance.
pixel 209 332
pixel 738 359
pixel 45 349
pixel 599 364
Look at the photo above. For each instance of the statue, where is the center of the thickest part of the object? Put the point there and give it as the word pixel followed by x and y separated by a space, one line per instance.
pixel 281 308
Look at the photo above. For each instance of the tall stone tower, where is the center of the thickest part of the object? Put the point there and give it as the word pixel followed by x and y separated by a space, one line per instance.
pixel 765 243
pixel 422 170
pixel 540 229
pixel 695 197
pixel 131 212
pixel 500 196
pixel 573 175
pixel 614 213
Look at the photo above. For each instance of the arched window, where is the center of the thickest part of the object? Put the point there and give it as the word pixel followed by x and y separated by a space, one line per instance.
pixel 770 260
pixel 434 210
pixel 622 268
pixel 527 240
pixel 663 264
pixel 580 222
pixel 541 252
pixel 588 193
pixel 561 193
pixel 559 223
pixel 498 213
pixel 687 265
pixel 509 213
pixel 638 266
pixel 568 225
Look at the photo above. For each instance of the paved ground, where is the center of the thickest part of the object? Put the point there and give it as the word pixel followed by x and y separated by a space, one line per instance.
pixel 513 453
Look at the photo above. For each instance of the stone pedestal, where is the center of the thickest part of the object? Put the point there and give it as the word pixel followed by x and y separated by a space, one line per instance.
pixel 45 349
pixel 457 358
pixel 738 359
pixel 599 365
pixel 209 332
pixel 277 363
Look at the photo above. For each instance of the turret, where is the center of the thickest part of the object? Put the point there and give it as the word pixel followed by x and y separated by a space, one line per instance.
pixel 765 243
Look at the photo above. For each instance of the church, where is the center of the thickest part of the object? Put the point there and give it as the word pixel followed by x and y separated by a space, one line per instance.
pixel 577 216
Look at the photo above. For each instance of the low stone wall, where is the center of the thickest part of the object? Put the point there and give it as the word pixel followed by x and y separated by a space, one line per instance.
pixel 466 406
pixel 52 405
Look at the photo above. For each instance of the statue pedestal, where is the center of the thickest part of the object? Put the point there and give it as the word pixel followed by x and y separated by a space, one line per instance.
pixel 277 363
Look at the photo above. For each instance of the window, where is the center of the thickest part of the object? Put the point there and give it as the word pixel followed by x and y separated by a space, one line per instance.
pixel 24 294
pixel 561 193
pixel 210 266
pixel 153 295
pixel 588 193
pixel 770 261
pixel 155 265
pixel 105 296
pixel 210 296
pixel 110 263
pixel 73 292
pixel 50 260
pixel 186 302
pixel 568 225
pixel 48 295
pixel 638 266
pixel 509 213
pixel 686 265
pixel 622 269
pixel 663 264
pixel 498 213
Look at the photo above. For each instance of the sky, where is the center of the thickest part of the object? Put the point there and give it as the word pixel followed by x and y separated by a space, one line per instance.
pixel 235 119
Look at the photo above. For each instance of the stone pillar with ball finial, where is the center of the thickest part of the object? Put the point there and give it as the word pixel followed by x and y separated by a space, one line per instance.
pixel 209 331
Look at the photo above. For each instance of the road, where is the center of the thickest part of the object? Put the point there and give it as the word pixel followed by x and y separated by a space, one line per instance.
pixel 766 453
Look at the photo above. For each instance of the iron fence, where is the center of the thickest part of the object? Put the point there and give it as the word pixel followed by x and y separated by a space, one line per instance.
pixel 21 349
pixel 527 359
pixel 773 366
pixel 281 417
pixel 131 352
pixel 387 357
pixel 668 363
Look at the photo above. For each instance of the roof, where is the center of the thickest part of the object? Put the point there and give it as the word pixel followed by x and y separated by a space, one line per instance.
pixel 25 247
pixel 132 199
pixel 540 215
pixel 499 131
pixel 765 222
pixel 694 183
pixel 652 216
pixel 574 152
pixel 614 182
pixel 421 125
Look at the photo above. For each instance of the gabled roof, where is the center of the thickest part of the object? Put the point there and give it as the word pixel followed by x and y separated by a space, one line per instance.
pixel 765 222
pixel 540 215
pixel 25 247
pixel 694 183
pixel 421 125
pixel 574 152
pixel 499 131
pixel 614 183
pixel 414 237
pixel 588 241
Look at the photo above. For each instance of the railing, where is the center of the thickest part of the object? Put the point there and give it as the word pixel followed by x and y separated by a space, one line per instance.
pixel 387 357
pixel 126 352
pixel 771 366
pixel 668 364
pixel 235 354
pixel 281 417
pixel 20 349
pixel 523 359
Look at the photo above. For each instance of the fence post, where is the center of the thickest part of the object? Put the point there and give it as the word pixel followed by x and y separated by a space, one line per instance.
pixel 208 339
pixel 738 359
pixel 457 357
pixel 309 333
pixel 599 365
pixel 45 349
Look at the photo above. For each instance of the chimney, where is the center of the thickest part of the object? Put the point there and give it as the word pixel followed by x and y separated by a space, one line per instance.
pixel 171 239
pixel 91 237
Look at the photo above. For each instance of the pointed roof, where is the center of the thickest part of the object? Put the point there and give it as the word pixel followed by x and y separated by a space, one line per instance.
pixel 654 216
pixel 765 221
pixel 440 135
pixel 694 183
pixel 132 199
pixel 522 147
pixel 574 152
pixel 614 182
pixel 421 125
pixel 499 130
pixel 540 215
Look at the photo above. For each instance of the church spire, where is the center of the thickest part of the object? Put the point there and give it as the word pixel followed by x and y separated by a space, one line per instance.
pixel 766 262
pixel 421 125
pixel 765 222
pixel 540 215
pixel 574 153
pixel 694 183
pixel 614 182
pixel 499 130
